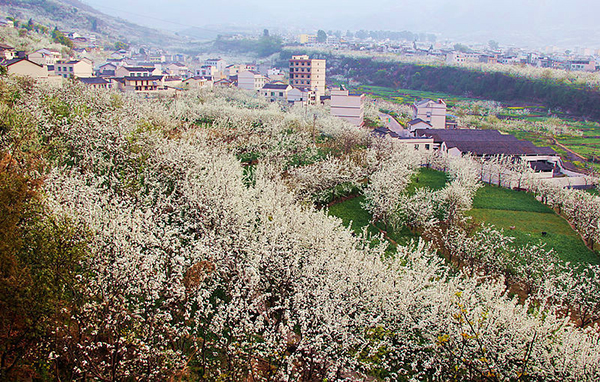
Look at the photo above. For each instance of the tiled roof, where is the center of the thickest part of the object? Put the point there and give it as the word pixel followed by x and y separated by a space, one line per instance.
pixel 139 69
pixel 484 142
pixel 15 60
pixel 93 80
pixel 276 86
pixel 144 78
pixel 417 120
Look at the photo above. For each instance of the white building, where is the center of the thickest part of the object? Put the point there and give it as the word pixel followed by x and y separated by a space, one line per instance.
pixel 348 107
pixel 276 92
pixel 218 63
pixel 251 80
pixel 432 112
pixel 136 71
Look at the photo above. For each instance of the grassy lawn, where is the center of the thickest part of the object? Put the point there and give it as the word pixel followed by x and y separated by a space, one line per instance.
pixel 350 210
pixel 506 208
pixel 426 177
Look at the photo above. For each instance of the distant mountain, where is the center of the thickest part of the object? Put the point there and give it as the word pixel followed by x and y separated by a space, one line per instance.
pixel 73 15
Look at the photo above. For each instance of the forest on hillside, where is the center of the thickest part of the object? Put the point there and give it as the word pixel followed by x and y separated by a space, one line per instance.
pixel 565 96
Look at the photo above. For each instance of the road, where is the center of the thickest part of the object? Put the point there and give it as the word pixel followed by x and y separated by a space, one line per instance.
pixel 391 123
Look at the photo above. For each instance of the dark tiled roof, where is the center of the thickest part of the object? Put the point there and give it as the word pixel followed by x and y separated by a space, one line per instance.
pixel 93 81
pixel 417 120
pixel 539 165
pixel 6 47
pixel 144 78
pixel 276 86
pixel 383 131
pixel 484 142
pixel 139 69
pixel 15 60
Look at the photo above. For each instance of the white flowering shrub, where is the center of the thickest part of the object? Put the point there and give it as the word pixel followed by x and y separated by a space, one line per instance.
pixel 194 272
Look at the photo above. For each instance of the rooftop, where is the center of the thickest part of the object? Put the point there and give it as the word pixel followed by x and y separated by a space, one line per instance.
pixel 484 142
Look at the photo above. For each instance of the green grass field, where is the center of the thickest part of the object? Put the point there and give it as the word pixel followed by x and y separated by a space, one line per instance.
pixel 351 211
pixel 408 96
pixel 426 177
pixel 506 208
pixel 501 207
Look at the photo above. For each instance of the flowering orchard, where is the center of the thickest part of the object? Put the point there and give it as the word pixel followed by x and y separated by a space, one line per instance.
pixel 177 239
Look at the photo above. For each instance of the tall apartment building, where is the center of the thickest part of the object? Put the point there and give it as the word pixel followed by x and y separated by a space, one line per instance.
pixel 306 73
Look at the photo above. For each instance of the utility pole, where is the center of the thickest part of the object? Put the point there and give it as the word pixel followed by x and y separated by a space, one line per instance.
pixel 313 129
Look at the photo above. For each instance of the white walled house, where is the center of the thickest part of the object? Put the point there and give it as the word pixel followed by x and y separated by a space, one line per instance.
pixel 276 92
pixel 347 106
pixel 207 71
pixel 7 52
pixel 250 80
pixel 136 71
pixel 432 112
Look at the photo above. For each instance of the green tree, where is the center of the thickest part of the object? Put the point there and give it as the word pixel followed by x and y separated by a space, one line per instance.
pixel 121 45
pixel 493 45
pixel 462 48
pixel 321 36
pixel 60 38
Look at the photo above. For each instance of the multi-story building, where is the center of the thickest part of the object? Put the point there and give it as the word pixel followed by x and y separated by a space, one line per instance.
pixel 251 80
pixel 306 73
pixel 44 57
pixel 307 39
pixel 218 63
pixel 347 106
pixel 82 68
pixel 432 112
pixel 136 71
pixel 208 71
pixel 585 65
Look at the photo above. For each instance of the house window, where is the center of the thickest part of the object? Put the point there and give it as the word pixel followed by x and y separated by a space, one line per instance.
pixel 426 147
pixel 416 147
pixel 281 94
pixel 71 69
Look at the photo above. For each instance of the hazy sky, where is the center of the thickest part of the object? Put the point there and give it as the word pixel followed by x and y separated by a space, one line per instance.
pixel 543 21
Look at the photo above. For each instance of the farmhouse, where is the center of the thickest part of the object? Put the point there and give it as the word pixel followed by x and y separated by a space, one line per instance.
pixel 423 143
pixel 275 91
pixel 432 112
pixel 418 123
pixel 488 143
pixel 24 67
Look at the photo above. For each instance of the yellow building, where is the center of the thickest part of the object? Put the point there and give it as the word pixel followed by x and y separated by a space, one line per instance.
pixel 307 39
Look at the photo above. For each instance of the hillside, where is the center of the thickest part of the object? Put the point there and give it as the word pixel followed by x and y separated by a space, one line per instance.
pixel 176 239
pixel 73 15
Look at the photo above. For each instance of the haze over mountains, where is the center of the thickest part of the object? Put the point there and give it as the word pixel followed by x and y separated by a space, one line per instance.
pixel 519 22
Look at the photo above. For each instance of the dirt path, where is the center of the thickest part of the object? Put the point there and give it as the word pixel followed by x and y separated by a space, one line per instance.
pixel 568 150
